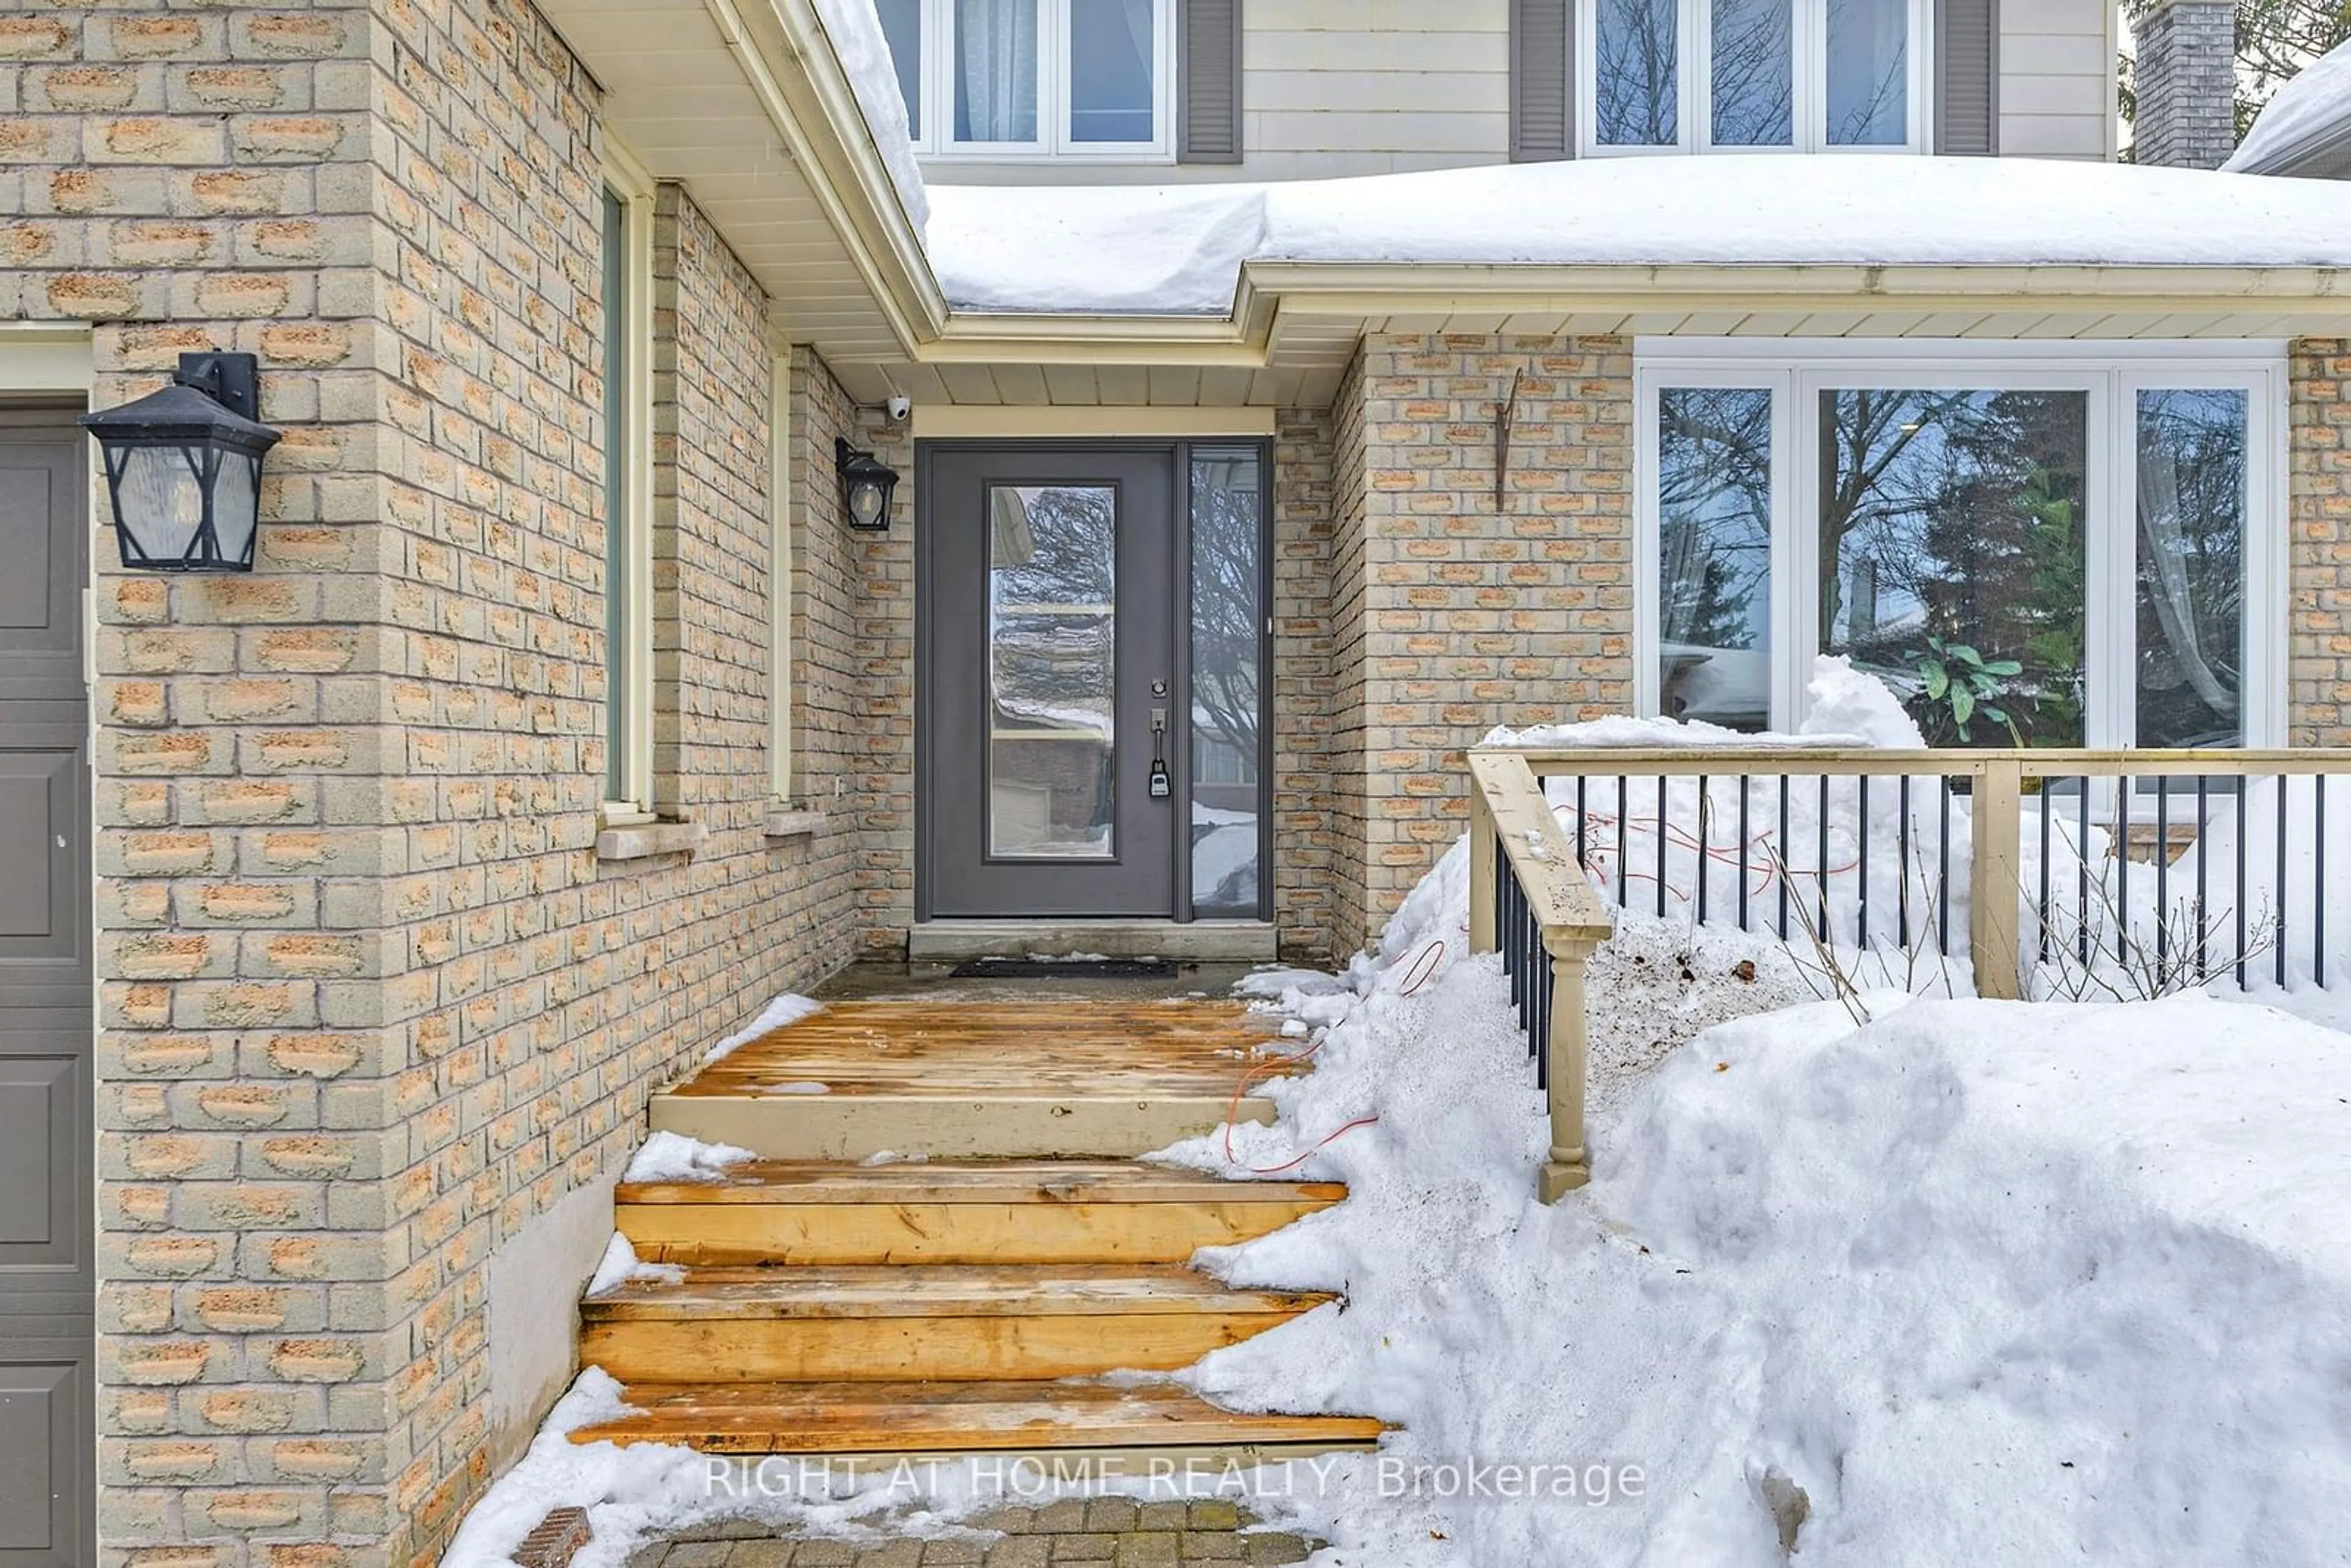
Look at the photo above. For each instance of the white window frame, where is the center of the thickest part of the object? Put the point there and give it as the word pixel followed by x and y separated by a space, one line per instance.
pixel 629 689
pixel 2112 374
pixel 779 577
pixel 1054 143
pixel 1694 66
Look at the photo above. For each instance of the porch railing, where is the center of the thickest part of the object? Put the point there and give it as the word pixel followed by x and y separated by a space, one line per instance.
pixel 2051 873
pixel 1529 898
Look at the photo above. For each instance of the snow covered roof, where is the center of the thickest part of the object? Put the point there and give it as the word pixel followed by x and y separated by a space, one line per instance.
pixel 1179 250
pixel 2306 129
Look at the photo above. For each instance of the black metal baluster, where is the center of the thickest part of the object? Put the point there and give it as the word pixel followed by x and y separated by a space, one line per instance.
pixel 1661 846
pixel 1821 857
pixel 2081 881
pixel 2042 913
pixel 2203 859
pixel 2122 870
pixel 1541 1035
pixel 2243 887
pixel 1705 840
pixel 2162 875
pixel 2281 923
pixel 1581 827
pixel 1624 856
pixel 1902 855
pixel 1943 848
pixel 1861 918
pixel 1742 852
pixel 1784 865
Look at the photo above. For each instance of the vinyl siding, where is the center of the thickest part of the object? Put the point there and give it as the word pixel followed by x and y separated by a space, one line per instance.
pixel 1344 87
pixel 1366 86
pixel 2057 79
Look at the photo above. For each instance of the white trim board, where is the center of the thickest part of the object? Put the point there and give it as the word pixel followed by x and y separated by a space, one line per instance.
pixel 949 422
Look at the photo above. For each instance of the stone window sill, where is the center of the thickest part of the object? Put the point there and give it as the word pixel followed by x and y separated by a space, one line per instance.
pixel 643 841
pixel 784 822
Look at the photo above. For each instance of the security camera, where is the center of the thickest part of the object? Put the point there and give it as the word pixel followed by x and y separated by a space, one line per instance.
pixel 901 407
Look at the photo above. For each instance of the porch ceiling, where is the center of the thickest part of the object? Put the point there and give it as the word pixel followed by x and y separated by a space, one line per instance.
pixel 689 92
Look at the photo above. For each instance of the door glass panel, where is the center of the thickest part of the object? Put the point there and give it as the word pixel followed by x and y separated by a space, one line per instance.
pixel 1951 558
pixel 1753 82
pixel 1227 834
pixel 1714 549
pixel 2191 568
pixel 1111 61
pixel 1639 61
pixel 995 70
pixel 1869 73
pixel 1052 637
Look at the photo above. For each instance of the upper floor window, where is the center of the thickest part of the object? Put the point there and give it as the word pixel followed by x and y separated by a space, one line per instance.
pixel 1805 75
pixel 1035 79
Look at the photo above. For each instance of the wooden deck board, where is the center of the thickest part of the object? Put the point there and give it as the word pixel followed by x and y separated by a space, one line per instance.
pixel 960 1292
pixel 844 1418
pixel 975 1182
pixel 1031 1048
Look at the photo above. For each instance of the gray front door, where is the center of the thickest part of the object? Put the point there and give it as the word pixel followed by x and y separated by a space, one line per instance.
pixel 46 1285
pixel 1046 615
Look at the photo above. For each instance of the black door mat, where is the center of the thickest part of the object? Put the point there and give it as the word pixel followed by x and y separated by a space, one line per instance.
pixel 1065 969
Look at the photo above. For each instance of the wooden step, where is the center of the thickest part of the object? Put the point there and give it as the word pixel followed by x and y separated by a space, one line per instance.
pixel 1026 1079
pixel 912 1322
pixel 888 1421
pixel 1003 1211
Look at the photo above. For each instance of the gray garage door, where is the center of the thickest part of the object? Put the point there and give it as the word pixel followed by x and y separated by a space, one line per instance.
pixel 46 1287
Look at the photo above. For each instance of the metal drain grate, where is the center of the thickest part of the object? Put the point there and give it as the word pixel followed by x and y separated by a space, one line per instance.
pixel 1065 969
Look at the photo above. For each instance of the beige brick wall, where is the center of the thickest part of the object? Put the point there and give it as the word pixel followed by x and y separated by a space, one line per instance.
pixel 1452 614
pixel 370 1004
pixel 2318 572
pixel 1302 686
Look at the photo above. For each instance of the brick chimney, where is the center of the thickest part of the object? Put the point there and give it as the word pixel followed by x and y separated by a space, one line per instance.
pixel 2187 75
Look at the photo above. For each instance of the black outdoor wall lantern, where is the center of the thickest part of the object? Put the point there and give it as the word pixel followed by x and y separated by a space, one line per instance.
pixel 866 485
pixel 184 467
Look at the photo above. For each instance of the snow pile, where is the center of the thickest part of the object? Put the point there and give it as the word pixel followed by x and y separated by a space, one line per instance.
pixel 785 1008
pixel 1977 1281
pixel 1179 250
pixel 2308 112
pixel 620 1264
pixel 675 1158
pixel 863 50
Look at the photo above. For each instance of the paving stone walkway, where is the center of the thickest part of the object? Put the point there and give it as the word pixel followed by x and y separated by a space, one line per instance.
pixel 1107 1532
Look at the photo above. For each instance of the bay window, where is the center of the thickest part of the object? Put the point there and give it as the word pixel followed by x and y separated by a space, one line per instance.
pixel 1755 74
pixel 1008 79
pixel 2029 547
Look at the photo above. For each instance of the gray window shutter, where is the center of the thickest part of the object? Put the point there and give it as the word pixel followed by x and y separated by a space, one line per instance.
pixel 1209 81
pixel 1542 81
pixel 1966 77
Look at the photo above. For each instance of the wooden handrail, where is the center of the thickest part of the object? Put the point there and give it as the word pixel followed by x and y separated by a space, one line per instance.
pixel 1809 761
pixel 1511 819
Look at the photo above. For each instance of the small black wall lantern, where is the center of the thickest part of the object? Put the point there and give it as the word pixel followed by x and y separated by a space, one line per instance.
pixel 184 467
pixel 866 485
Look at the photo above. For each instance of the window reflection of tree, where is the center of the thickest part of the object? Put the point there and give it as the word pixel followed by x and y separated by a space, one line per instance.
pixel 1055 556
pixel 1635 73
pixel 1958 515
pixel 2191 572
pixel 1752 87
pixel 1227 588
pixel 1714 513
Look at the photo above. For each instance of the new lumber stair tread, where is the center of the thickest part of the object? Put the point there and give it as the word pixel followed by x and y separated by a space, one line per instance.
pixel 975 1182
pixel 987 1417
pixel 936 1290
